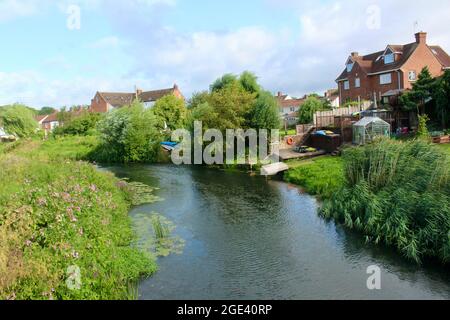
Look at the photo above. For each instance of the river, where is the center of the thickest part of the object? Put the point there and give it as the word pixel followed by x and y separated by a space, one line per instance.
pixel 251 238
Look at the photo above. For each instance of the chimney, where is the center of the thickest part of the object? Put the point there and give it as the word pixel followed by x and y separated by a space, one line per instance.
pixel 355 54
pixel 175 87
pixel 280 93
pixel 421 37
pixel 138 92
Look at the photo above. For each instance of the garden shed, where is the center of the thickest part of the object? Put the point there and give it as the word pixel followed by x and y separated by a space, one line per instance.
pixel 368 128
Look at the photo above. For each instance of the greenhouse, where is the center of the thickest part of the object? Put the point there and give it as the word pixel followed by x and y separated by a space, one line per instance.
pixel 368 128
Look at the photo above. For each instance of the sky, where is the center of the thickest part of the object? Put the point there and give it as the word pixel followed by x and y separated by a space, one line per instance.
pixel 61 52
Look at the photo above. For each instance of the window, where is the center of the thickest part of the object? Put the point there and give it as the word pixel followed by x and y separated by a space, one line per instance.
pixel 350 67
pixel 357 82
pixel 389 58
pixel 346 85
pixel 386 78
pixel 412 76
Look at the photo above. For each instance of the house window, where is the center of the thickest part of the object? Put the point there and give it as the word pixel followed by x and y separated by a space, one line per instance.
pixel 357 82
pixel 350 67
pixel 412 76
pixel 389 58
pixel 386 78
pixel 346 85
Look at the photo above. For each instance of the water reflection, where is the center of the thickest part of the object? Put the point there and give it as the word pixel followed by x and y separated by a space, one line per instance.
pixel 249 238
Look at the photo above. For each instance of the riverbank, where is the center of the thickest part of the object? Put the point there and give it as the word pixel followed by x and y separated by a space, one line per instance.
pixel 65 226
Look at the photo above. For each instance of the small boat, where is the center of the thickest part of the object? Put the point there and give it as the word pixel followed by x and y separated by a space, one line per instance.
pixel 169 146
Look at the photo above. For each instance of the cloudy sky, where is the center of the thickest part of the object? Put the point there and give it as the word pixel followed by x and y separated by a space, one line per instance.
pixel 50 57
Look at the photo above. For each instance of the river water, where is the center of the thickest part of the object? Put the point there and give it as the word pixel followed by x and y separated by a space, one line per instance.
pixel 251 238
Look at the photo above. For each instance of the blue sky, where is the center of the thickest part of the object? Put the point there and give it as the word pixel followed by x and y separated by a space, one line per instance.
pixel 293 46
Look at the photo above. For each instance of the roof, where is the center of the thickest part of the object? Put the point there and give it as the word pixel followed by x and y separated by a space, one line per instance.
pixel 441 55
pixel 118 99
pixel 367 120
pixel 154 95
pixel 40 118
pixel 51 118
pixel 374 64
pixel 283 102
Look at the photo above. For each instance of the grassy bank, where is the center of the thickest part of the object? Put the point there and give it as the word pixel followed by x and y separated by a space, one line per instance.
pixel 321 176
pixel 58 217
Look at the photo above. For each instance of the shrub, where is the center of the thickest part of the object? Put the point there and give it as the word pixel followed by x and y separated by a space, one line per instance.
pixel 82 125
pixel 128 135
pixel 18 120
pixel 397 193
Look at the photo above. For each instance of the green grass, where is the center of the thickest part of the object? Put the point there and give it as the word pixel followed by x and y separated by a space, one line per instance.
pixel 445 148
pixel 57 216
pixel 321 176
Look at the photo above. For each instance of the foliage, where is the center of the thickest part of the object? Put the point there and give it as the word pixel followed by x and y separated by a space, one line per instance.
pixel 45 111
pixel 60 148
pixel 18 120
pixel 397 193
pixel 249 82
pixel 59 215
pixel 442 96
pixel 170 111
pixel 321 176
pixel 422 91
pixel 81 125
pixel 309 108
pixel 422 130
pixel 128 135
pixel 265 113
pixel 223 82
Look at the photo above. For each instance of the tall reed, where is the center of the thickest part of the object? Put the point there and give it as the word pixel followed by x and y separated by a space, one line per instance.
pixel 397 193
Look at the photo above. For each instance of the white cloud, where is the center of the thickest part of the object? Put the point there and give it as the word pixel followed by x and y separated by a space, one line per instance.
pixel 12 9
pixel 110 42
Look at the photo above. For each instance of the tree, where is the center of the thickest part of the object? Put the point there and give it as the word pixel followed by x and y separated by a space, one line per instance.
pixel 249 82
pixel 18 120
pixel 308 109
pixel 232 104
pixel 221 83
pixel 442 97
pixel 45 111
pixel 197 99
pixel 83 124
pixel 265 113
pixel 420 94
pixel 170 111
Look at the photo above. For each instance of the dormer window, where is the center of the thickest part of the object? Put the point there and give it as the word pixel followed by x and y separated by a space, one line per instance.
pixel 350 65
pixel 389 58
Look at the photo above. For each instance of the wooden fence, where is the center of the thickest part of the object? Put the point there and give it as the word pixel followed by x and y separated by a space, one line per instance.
pixel 326 118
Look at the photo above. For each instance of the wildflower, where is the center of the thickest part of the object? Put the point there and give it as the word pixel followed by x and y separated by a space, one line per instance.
pixel 28 243
pixel 75 254
pixel 42 202
pixel 81 231
pixel 93 188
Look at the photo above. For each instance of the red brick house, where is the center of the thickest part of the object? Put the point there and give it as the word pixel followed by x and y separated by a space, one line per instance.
pixel 106 101
pixel 383 75
pixel 289 108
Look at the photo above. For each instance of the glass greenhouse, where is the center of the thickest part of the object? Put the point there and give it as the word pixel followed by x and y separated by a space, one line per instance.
pixel 368 128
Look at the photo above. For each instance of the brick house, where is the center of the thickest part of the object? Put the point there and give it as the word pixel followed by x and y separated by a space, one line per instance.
pixel 383 75
pixel 332 96
pixel 289 108
pixel 106 101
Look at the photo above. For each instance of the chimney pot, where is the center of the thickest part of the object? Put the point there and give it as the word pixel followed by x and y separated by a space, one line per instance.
pixel 280 93
pixel 421 37
pixel 355 54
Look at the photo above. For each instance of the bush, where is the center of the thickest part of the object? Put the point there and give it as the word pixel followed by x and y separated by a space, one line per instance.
pixel 128 135
pixel 82 125
pixel 397 193
pixel 18 120
pixel 171 112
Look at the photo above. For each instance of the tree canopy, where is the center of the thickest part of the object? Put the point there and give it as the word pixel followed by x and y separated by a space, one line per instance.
pixel 18 120
pixel 309 108
pixel 170 111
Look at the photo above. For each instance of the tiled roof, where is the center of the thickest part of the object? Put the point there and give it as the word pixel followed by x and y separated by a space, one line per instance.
pixel 117 99
pixel 441 55
pixel 51 118
pixel 150 96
